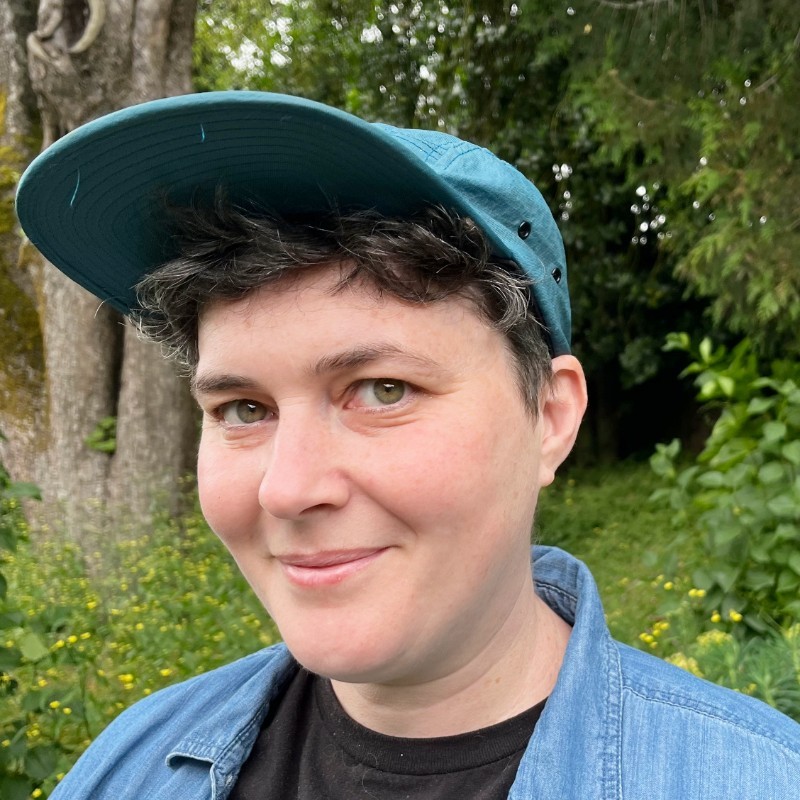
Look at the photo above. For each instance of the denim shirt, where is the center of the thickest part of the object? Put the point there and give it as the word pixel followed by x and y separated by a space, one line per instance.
pixel 619 724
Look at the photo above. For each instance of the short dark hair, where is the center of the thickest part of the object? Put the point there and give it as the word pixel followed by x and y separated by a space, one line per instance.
pixel 227 253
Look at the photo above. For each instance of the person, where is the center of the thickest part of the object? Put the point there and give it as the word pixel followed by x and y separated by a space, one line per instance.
pixel 376 326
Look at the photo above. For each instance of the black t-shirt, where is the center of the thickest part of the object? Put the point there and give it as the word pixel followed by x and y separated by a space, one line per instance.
pixel 310 749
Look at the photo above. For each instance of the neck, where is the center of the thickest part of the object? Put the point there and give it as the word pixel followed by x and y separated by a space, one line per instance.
pixel 515 670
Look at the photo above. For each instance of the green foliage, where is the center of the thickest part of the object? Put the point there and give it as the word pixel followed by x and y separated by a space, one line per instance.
pixel 104 436
pixel 766 667
pixel 24 761
pixel 77 647
pixel 743 493
pixel 701 100
pixel 599 515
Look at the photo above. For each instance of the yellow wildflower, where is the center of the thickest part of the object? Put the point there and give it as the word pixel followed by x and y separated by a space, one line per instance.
pixel 715 617
pixel 734 616
pixel 55 704
pixel 713 638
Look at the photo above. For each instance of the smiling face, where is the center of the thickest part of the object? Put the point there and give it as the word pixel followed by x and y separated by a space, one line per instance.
pixel 372 468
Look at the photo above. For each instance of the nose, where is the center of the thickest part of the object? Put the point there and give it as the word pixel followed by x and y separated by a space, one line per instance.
pixel 303 470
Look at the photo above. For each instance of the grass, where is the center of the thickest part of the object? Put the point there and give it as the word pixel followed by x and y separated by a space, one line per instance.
pixel 603 517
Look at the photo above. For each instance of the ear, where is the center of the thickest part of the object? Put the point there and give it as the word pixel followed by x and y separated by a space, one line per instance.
pixel 560 415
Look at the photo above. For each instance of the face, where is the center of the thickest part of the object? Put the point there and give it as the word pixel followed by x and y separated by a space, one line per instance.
pixel 373 470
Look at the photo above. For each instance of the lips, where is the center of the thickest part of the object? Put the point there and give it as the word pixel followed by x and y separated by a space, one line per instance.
pixel 329 567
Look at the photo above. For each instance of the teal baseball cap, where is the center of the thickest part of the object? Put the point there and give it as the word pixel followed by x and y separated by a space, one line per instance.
pixel 93 202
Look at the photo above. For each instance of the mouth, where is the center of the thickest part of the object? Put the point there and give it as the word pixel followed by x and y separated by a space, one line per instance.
pixel 329 567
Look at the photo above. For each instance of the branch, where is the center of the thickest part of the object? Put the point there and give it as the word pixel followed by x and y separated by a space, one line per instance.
pixel 762 87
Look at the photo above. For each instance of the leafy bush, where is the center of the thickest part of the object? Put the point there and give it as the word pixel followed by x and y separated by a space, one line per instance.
pixel 24 759
pixel 743 493
pixel 766 667
pixel 77 647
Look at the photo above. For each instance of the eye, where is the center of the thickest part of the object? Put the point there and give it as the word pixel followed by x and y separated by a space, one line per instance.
pixel 381 392
pixel 242 412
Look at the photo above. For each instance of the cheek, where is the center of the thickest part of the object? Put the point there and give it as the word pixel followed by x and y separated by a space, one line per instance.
pixel 228 490
pixel 450 476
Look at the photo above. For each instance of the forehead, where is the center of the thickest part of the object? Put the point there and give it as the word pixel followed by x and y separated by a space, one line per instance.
pixel 329 292
pixel 308 317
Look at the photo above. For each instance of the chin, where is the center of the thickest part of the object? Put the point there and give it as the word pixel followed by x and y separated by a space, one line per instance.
pixel 340 658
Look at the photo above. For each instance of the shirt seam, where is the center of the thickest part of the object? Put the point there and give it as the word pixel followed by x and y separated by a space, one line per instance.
pixel 738 723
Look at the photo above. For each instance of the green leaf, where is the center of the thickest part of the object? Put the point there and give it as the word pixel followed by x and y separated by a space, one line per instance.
pixel 756 623
pixel 788 582
pixel 3 586
pixel 711 480
pixel 791 452
pixel 759 580
pixel 10 658
pixel 34 700
pixel 773 432
pixel 22 491
pixel 678 341
pixel 705 349
pixel 8 538
pixel 40 762
pixel 32 647
pixel 723 535
pixel 771 472
pixel 725 577
pixel 727 385
pixel 758 405
pixel 11 619
pixel 794 562
pixel 784 506
pixel 15 788
pixel 702 579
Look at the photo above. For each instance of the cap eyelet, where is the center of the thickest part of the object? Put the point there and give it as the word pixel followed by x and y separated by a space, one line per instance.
pixel 556 273
pixel 524 230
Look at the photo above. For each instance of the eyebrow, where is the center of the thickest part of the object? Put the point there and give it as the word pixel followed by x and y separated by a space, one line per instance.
pixel 212 384
pixel 359 356
pixel 346 359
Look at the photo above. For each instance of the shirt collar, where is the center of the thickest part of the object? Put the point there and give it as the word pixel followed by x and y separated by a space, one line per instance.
pixel 575 748
pixel 225 737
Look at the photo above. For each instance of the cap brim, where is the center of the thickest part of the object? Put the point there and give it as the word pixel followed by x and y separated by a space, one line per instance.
pixel 93 203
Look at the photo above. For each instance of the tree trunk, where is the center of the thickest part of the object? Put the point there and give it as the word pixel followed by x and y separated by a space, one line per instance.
pixel 86 58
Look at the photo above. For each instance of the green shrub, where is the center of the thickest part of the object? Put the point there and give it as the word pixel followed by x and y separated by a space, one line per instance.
pixel 766 667
pixel 742 495
pixel 25 759
pixel 76 647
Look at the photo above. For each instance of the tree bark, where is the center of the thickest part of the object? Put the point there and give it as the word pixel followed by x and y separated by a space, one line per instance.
pixel 76 60
pixel 21 364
